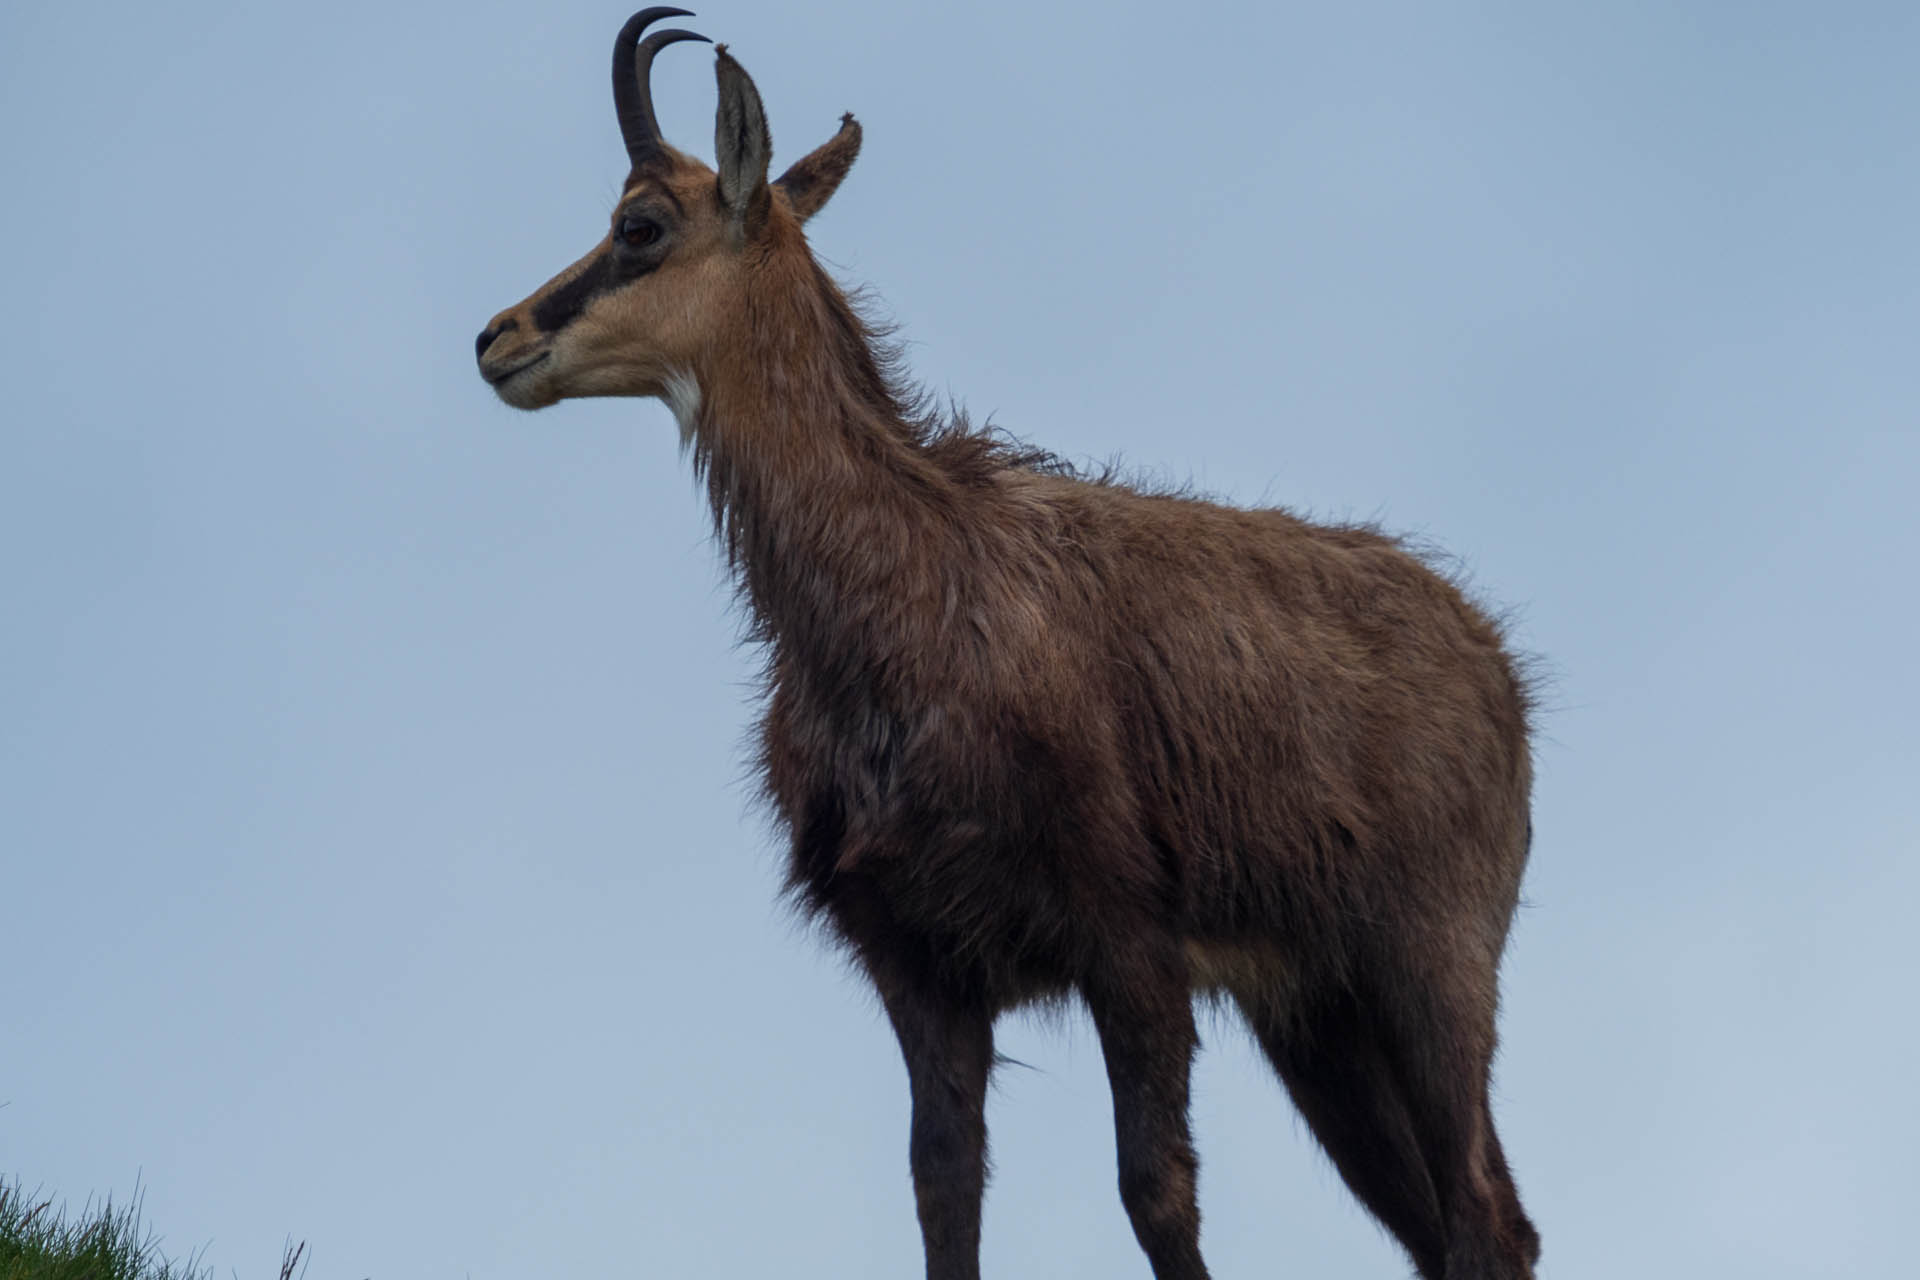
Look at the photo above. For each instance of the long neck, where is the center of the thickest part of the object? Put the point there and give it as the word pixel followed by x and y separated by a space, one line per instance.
pixel 839 523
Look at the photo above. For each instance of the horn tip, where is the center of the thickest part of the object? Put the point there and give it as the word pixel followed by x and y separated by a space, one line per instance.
pixel 647 17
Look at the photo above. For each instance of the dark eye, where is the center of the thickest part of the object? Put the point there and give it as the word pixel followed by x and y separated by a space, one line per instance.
pixel 636 232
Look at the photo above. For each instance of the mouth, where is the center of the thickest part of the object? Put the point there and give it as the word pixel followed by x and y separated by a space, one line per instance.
pixel 495 377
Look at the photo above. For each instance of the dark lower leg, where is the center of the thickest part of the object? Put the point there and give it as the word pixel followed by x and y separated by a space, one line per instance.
pixel 1522 1240
pixel 948 1047
pixel 1145 1020
pixel 1488 1234
pixel 1342 1080
pixel 1443 1062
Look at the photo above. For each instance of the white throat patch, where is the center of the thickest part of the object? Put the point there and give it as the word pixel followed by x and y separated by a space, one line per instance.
pixel 682 394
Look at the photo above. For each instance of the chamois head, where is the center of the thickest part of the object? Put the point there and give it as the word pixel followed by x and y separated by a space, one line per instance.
pixel 638 313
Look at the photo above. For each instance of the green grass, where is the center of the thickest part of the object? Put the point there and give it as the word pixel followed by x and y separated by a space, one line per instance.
pixel 39 1242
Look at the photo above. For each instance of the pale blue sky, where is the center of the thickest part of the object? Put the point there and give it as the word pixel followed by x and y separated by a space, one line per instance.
pixel 377 866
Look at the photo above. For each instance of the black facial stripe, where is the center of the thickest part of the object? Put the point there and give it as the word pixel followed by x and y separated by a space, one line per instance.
pixel 558 309
pixel 606 271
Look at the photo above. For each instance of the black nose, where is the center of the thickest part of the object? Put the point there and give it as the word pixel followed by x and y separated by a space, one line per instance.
pixel 485 340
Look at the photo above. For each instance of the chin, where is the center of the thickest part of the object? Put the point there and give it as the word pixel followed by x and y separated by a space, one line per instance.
pixel 526 393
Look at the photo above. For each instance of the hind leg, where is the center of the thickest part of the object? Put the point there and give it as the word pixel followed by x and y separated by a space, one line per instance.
pixel 1343 1081
pixel 1397 1096
pixel 1514 1220
pixel 1443 1044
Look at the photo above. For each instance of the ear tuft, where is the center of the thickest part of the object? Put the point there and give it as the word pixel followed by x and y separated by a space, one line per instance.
pixel 812 179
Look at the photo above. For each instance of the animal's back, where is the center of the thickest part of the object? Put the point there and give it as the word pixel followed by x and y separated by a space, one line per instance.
pixel 1317 732
pixel 1250 728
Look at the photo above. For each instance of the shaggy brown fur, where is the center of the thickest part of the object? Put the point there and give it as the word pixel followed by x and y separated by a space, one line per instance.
pixel 1035 735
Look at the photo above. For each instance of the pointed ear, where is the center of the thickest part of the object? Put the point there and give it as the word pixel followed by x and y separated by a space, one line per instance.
pixel 741 145
pixel 812 179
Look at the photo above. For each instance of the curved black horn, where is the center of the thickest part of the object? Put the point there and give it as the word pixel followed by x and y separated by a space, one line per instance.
pixel 632 92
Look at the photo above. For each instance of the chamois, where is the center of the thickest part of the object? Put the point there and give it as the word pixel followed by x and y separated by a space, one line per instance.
pixel 1034 734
